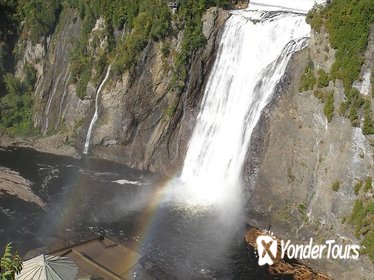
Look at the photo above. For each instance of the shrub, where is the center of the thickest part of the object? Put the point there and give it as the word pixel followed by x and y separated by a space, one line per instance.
pixel 352 105
pixel 357 216
pixel 15 107
pixel 368 184
pixel 335 187
pixel 10 263
pixel 40 16
pixel 361 219
pixel 302 208
pixel 368 125
pixel 348 22
pixel 329 106
pixel 368 244
pixel 308 79
pixel 314 18
pixel 372 82
pixel 170 110
pixel 323 79
pixel 165 50
pixel 82 83
pixel 357 187
pixel 320 95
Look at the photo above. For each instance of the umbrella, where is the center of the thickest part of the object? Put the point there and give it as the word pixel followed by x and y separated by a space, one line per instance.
pixel 45 267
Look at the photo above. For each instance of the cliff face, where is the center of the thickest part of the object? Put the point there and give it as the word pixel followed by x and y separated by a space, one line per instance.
pixel 298 156
pixel 143 121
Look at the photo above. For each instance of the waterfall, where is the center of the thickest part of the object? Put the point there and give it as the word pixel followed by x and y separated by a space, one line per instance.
pixel 254 52
pixel 95 116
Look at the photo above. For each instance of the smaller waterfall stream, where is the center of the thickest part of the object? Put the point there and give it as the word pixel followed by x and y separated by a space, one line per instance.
pixel 95 116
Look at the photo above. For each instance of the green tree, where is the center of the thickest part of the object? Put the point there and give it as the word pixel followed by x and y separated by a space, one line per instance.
pixel 329 106
pixel 10 264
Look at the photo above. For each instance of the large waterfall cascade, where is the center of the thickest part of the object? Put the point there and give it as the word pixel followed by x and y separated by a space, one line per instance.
pixel 96 114
pixel 253 55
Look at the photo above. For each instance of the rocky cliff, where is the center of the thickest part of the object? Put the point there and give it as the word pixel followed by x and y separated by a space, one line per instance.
pixel 302 168
pixel 143 120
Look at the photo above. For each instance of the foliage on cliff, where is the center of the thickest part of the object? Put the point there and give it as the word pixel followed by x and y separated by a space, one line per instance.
pixel 33 19
pixel 361 217
pixel 39 17
pixel 348 23
pixel 15 105
pixel 140 22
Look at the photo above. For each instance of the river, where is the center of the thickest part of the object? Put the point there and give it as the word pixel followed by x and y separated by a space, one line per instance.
pixel 85 198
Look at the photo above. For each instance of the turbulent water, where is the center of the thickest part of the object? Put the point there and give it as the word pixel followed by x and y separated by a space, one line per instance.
pixel 255 49
pixel 96 114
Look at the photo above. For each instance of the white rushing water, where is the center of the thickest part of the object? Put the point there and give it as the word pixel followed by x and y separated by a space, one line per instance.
pixel 96 114
pixel 254 52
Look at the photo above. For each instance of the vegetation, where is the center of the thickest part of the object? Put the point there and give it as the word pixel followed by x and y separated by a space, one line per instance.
pixel 348 23
pixel 319 94
pixel 368 125
pixel 358 187
pixel 361 219
pixel 308 80
pixel 362 215
pixel 170 110
pixel 368 184
pixel 10 264
pixel 372 82
pixel 153 21
pixel 323 79
pixel 144 20
pixel 329 106
pixel 335 187
pixel 40 17
pixel 188 18
pixel 357 216
pixel 15 106
pixel 8 34
pixel 351 106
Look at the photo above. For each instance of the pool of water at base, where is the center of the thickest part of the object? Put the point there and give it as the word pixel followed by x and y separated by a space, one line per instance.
pixel 88 197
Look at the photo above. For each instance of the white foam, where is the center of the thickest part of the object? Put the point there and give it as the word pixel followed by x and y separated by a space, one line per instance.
pixel 128 182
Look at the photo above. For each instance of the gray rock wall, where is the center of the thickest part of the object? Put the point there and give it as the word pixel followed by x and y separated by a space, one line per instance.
pixel 296 157
pixel 143 122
